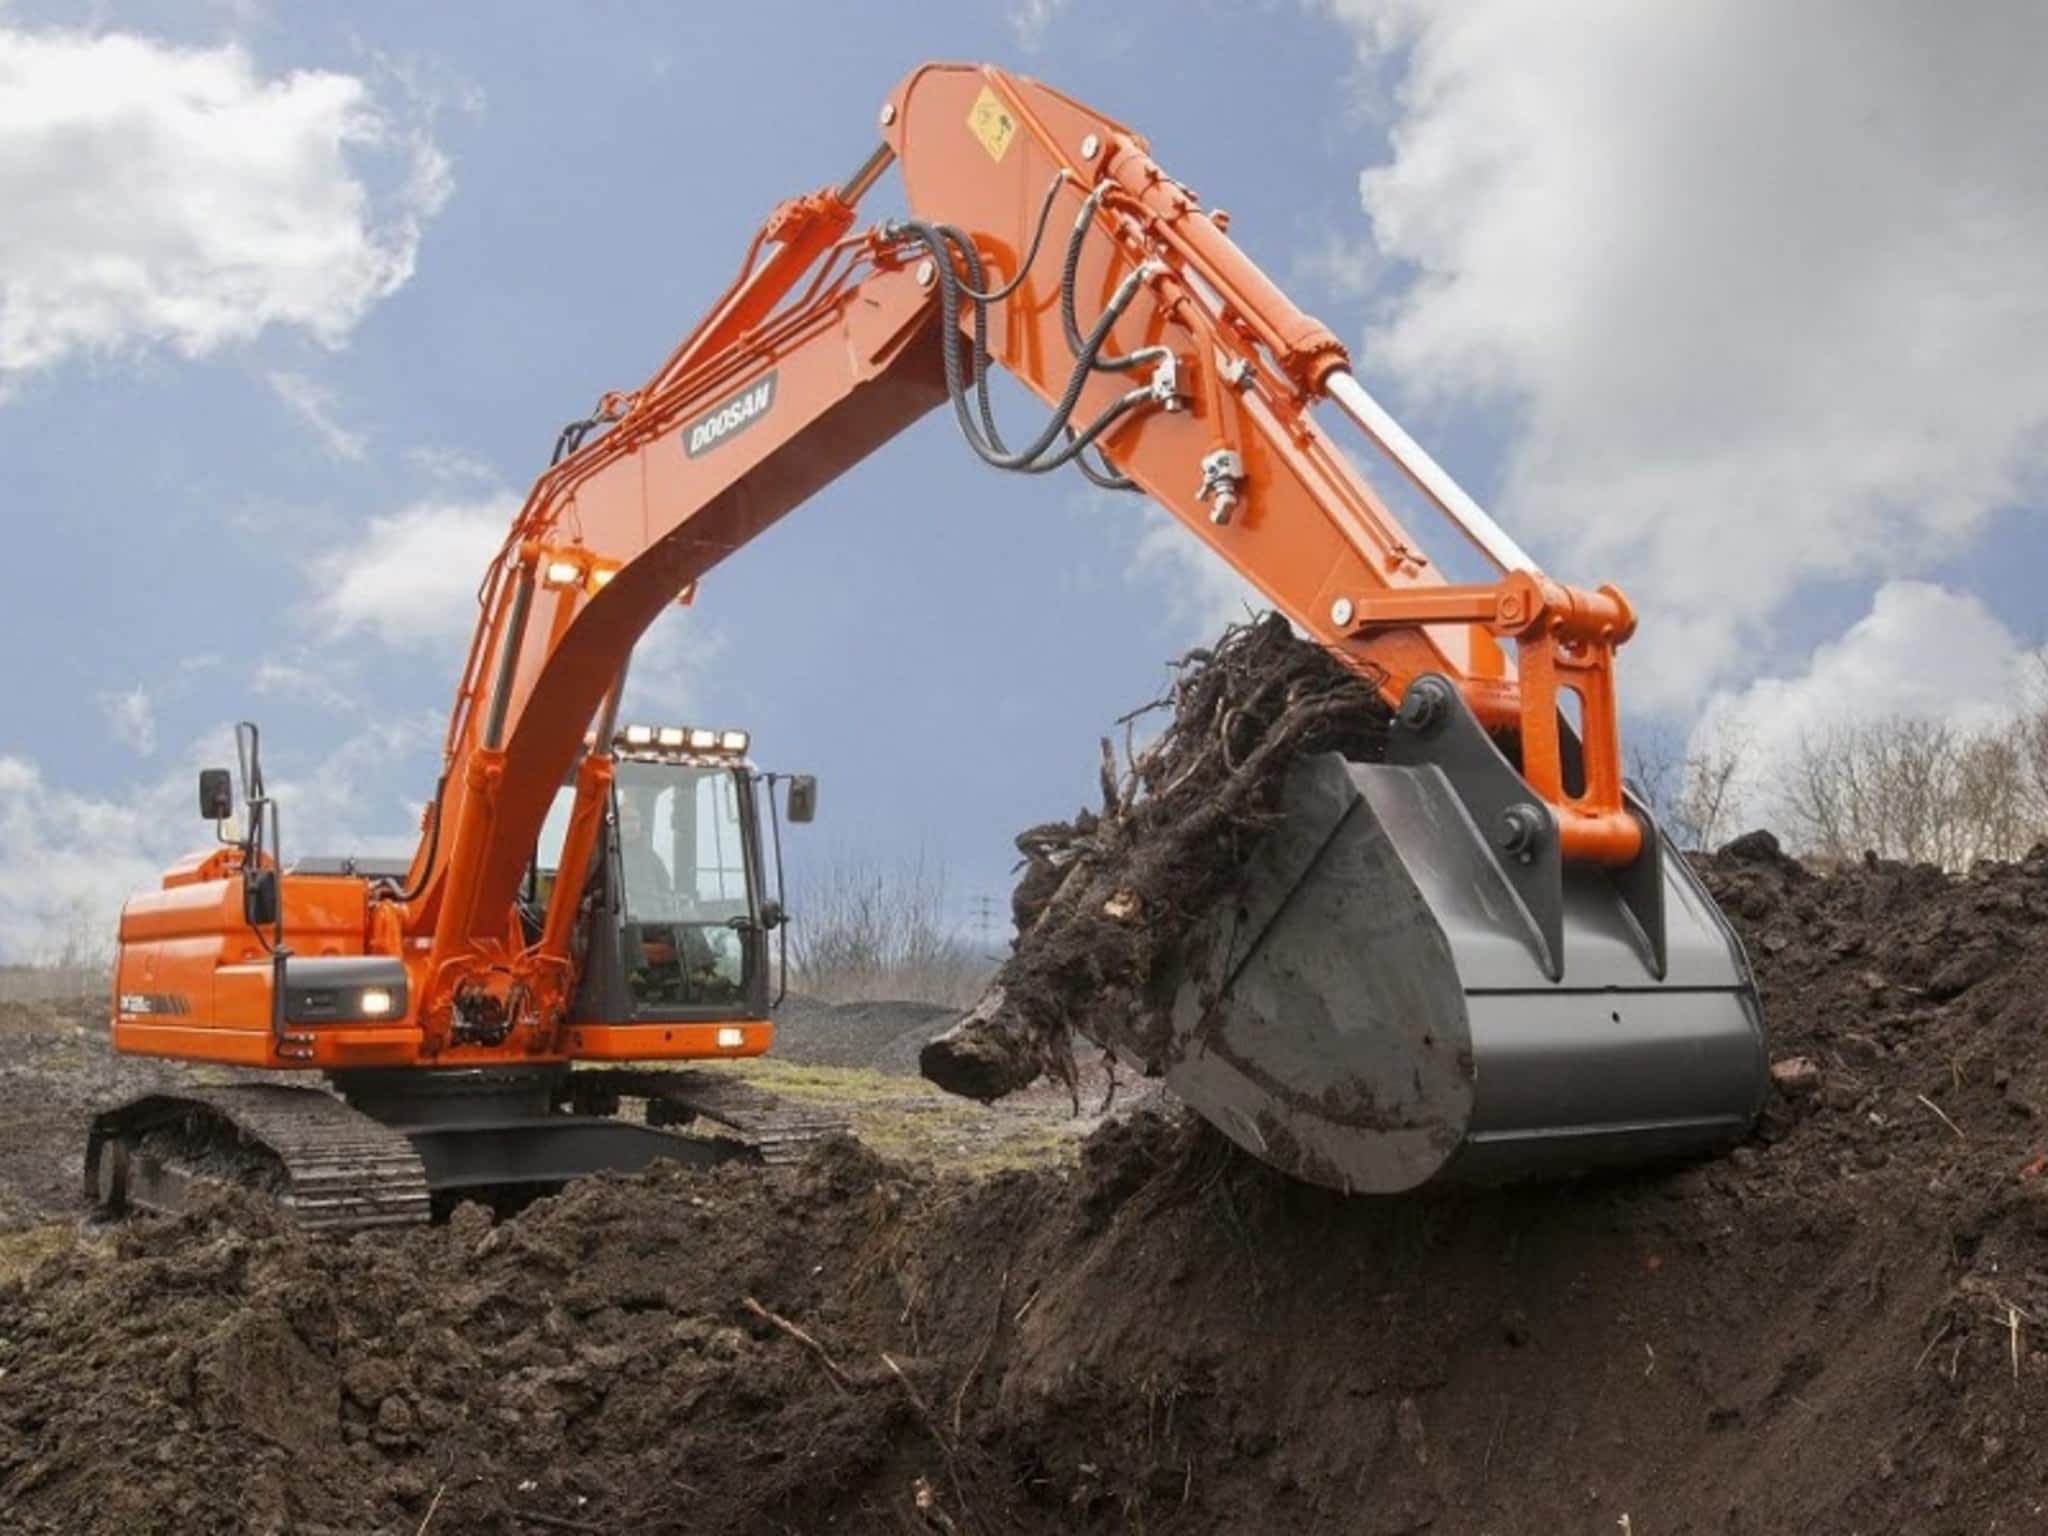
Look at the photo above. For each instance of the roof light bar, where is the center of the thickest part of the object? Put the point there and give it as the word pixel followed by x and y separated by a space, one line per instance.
pixel 695 740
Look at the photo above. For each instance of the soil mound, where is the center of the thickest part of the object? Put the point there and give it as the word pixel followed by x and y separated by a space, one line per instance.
pixel 1837 1329
pixel 55 1070
pixel 884 1036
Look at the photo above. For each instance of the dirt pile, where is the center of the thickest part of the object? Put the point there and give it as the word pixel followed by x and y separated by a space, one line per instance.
pixel 1107 902
pixel 882 1035
pixel 1844 1327
pixel 55 1069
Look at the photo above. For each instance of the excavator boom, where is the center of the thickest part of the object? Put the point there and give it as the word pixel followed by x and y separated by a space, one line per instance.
pixel 1474 956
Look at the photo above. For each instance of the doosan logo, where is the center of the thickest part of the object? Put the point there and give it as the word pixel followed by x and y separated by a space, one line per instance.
pixel 721 421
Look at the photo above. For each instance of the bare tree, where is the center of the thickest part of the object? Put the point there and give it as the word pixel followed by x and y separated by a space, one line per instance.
pixel 1924 791
pixel 1693 794
pixel 2031 733
pixel 1653 763
pixel 1992 811
pixel 76 966
pixel 1708 798
pixel 862 930
pixel 1816 795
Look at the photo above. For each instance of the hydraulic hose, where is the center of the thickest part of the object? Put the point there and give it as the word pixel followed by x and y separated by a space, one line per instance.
pixel 412 892
pixel 1052 191
pixel 1101 474
pixel 1069 275
pixel 940 243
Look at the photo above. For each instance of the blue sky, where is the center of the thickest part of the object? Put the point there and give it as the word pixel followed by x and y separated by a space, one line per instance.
pixel 241 475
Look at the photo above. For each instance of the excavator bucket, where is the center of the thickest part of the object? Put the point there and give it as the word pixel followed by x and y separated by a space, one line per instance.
pixel 1397 999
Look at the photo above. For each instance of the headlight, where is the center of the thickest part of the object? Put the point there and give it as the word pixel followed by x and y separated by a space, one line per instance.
pixel 639 735
pixel 703 740
pixel 731 1039
pixel 340 989
pixel 732 741
pixel 670 736
pixel 561 573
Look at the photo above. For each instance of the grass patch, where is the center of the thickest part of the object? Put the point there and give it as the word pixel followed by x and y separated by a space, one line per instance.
pixel 835 1085
pixel 21 1252
pixel 911 1120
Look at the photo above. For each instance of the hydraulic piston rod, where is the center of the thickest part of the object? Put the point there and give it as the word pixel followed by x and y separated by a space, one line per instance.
pixel 1430 477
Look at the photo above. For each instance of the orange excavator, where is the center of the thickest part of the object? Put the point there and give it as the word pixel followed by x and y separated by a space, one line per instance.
pixel 1473 959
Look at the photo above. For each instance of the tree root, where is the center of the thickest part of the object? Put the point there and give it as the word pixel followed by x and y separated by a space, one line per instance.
pixel 1106 903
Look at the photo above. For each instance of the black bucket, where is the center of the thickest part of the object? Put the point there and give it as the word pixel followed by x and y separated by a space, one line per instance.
pixel 1392 1003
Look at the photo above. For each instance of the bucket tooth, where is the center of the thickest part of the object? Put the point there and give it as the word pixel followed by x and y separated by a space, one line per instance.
pixel 1391 1002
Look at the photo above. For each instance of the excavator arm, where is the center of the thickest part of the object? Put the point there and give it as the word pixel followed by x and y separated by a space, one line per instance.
pixel 1045 241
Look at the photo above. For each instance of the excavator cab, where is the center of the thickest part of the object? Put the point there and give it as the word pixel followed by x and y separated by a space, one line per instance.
pixel 685 910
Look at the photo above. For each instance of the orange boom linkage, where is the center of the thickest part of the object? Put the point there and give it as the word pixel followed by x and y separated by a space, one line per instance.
pixel 828 346
pixel 1042 239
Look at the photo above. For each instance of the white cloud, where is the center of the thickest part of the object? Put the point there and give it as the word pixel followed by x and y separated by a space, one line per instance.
pixel 313 403
pixel 66 862
pixel 362 794
pixel 131 718
pixel 410 578
pixel 308 684
pixel 1344 264
pixel 660 678
pixel 1762 283
pixel 451 466
pixel 1922 652
pixel 158 194
pixel 1030 20
pixel 1199 588
pixel 69 858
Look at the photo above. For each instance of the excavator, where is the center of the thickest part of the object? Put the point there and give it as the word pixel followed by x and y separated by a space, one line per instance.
pixel 1476 958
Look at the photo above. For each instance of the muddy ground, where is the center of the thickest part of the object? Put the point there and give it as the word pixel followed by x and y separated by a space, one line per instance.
pixel 1841 1328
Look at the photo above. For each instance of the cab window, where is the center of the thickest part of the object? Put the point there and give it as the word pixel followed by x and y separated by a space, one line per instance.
pixel 683 881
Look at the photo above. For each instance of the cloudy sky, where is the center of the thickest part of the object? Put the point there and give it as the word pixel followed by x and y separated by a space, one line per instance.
pixel 1733 303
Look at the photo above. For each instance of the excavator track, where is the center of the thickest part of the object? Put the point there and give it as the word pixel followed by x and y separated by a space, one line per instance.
pixel 775 1129
pixel 332 1168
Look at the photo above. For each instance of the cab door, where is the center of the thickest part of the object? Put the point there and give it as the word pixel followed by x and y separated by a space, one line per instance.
pixel 685 862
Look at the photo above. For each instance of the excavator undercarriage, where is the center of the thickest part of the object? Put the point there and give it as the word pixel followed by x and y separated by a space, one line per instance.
pixel 387 1149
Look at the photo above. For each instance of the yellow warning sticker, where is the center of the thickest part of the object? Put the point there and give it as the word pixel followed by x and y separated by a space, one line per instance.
pixel 990 121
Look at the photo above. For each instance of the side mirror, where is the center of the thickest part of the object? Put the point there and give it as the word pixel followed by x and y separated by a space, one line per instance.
pixel 772 915
pixel 803 797
pixel 216 794
pixel 259 897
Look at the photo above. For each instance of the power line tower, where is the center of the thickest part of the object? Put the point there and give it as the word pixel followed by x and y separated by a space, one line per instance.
pixel 985 923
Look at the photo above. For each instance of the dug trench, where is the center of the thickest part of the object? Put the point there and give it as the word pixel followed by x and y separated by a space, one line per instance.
pixel 1839 1328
